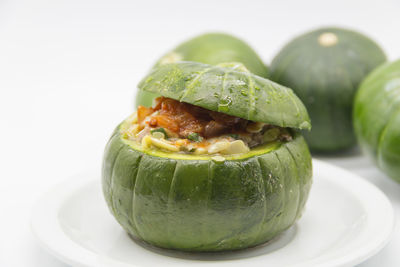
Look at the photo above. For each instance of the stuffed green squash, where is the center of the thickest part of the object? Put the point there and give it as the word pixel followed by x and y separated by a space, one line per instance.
pixel 213 49
pixel 216 164
pixel 377 117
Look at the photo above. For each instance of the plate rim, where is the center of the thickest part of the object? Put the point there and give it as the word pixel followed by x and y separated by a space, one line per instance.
pixel 51 237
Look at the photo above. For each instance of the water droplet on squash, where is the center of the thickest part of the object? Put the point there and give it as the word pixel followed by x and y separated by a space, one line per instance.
pixel 225 103
pixel 305 125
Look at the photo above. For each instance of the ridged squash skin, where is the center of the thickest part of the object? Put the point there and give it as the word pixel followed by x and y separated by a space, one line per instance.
pixel 324 68
pixel 203 205
pixel 213 49
pixel 377 117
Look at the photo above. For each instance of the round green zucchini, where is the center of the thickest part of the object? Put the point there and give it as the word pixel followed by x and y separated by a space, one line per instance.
pixel 324 68
pixel 377 117
pixel 195 202
pixel 213 49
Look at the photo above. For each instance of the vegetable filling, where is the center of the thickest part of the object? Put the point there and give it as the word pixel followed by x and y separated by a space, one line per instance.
pixel 175 126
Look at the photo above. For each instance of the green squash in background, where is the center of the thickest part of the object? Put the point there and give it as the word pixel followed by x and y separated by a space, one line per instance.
pixel 213 49
pixel 324 68
pixel 377 117
pixel 194 203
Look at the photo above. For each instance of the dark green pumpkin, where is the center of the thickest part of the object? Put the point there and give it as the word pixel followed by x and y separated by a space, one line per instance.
pixel 377 117
pixel 193 203
pixel 213 49
pixel 324 68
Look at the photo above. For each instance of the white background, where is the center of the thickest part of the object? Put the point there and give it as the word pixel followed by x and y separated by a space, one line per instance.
pixel 68 71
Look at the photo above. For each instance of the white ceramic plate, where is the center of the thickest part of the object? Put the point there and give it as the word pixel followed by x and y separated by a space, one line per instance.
pixel 346 221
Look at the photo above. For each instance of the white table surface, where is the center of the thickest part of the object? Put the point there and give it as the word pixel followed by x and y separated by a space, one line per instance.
pixel 68 71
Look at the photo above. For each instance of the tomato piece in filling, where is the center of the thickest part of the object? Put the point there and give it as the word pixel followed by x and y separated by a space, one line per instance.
pixel 176 117
pixel 143 112
pixel 167 122
pixel 183 119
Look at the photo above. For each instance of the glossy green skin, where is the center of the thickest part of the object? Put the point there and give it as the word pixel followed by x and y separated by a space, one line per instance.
pixel 377 117
pixel 202 205
pixel 225 90
pixel 213 49
pixel 326 79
